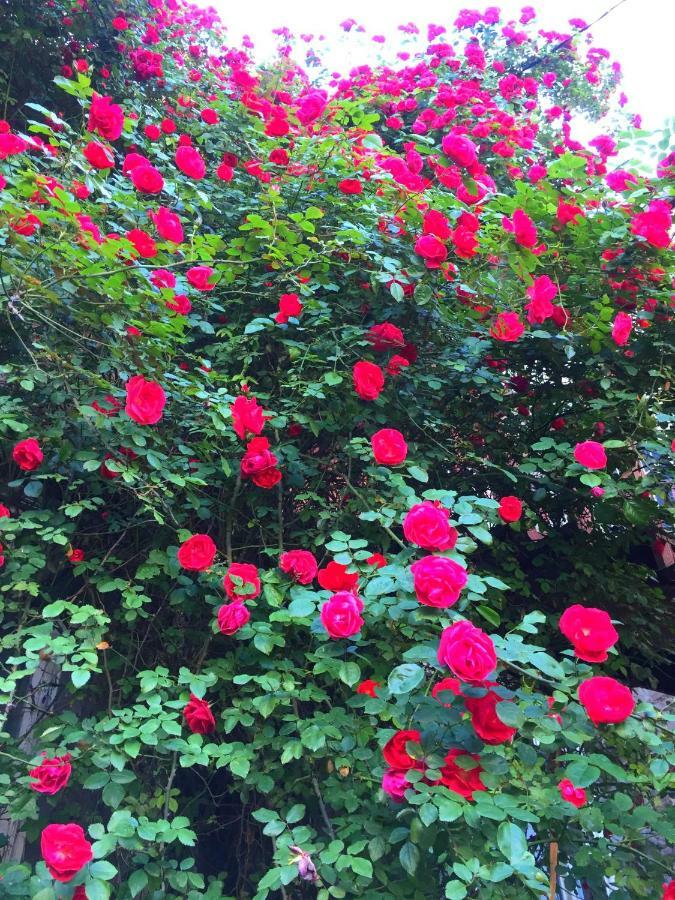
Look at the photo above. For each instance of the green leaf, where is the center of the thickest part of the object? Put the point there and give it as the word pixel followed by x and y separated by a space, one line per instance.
pixel 113 794
pixel 409 855
pixel 418 474
pixel 405 678
pixel 103 869
pixel 481 534
pixel 80 677
pixel 349 672
pixel 138 880
pixel 455 890
pixel 582 774
pixel 295 813
pixel 511 841
pixel 97 890
pixel 361 866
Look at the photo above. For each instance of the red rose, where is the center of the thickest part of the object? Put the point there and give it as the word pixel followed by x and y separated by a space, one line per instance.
pixel 436 223
pixel 368 380
pixel 459 149
pixel 669 891
pixel 27 454
pixel 605 700
pixel 467 651
pixel 377 560
pixel 247 417
pixel 179 303
pixel 341 615
pixel 197 553
pixel 456 778
pixel 51 775
pixel 621 328
pixel 259 464
pixel 168 225
pixel 65 850
pixel 395 752
pixel 105 118
pixel 389 447
pixel 198 716
pixel 4 511
pixel 145 400
pixel 232 617
pixel 486 723
pixel 385 336
pixel 368 687
pixel 75 555
pixel 190 162
pixel 590 630
pixel 289 306
pixel 249 575
pixel 510 509
pixel 590 454
pixel 395 784
pixel 98 155
pixel 575 796
pixel 200 278
pixel 147 179
pixel 507 327
pixel 427 525
pixel 433 251
pixel 209 116
pixel 144 245
pixel 350 186
pixel 452 685
pixel 396 363
pixel 225 172
pixel 336 578
pixel 438 581
pixel 300 565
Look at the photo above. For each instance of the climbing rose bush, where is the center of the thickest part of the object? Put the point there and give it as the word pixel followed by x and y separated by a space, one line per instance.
pixel 333 430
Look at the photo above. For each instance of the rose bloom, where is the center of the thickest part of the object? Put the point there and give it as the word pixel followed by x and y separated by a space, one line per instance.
pixel 105 118
pixel 507 327
pixel 198 716
pixel 232 617
pixel 510 509
pixel 65 850
pixel 438 581
pixel 341 615
pixel 51 775
pixel 75 555
pixel 621 328
pixel 334 577
pixel 377 560
pixel 350 186
pixel 464 782
pixel 467 651
pixel 199 277
pixel 368 687
pixel 459 149
pixel 395 753
pixel 432 250
pixel 147 179
pixel 4 511
pixel 259 464
pixel 300 565
pixel 249 575
pixel 27 454
pixel 389 447
pixel 385 336
pixel 590 454
pixel 197 553
pixel 289 306
pixel 669 890
pixel 486 723
pixel 145 400
pixel 427 525
pixel 605 700
pixel 590 630
pixel 452 685
pixel 98 155
pixel 168 224
pixel 368 380
pixel 395 784
pixel 247 417
pixel 190 162
pixel 573 795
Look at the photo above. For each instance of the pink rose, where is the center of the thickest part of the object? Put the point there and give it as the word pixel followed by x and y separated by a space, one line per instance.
pixel 467 651
pixel 341 614
pixel 438 581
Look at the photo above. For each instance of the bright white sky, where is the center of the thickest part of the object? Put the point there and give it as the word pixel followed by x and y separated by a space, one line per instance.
pixel 639 33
